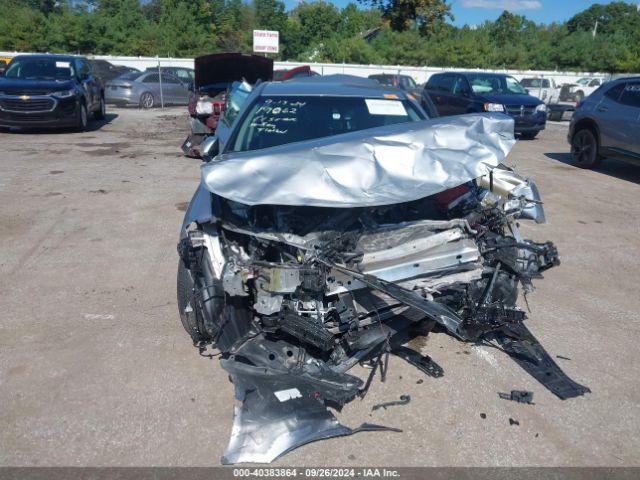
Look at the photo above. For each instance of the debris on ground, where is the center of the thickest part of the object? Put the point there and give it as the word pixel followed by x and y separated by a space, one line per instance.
pixel 520 396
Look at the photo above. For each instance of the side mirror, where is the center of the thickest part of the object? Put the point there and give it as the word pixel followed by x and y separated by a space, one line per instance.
pixel 210 148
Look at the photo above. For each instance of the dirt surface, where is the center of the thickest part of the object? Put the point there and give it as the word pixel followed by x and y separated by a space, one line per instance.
pixel 95 368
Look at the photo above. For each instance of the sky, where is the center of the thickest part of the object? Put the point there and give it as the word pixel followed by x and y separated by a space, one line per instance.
pixel 474 12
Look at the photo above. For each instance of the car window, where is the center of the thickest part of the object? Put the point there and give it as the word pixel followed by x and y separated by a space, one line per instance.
pixel 407 82
pixel 614 92
pixel 40 68
pixel 545 83
pixel 151 78
pixel 446 83
pixel 183 75
pixel 434 82
pixel 460 85
pixel 631 94
pixel 278 120
pixel 169 79
pixel 129 76
pixel 83 68
pixel 594 83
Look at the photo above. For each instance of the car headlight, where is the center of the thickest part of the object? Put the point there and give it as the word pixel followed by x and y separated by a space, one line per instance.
pixel 541 108
pixel 493 107
pixel 64 94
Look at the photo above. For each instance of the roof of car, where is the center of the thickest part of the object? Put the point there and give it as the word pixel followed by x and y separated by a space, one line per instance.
pixel 64 58
pixel 472 72
pixel 626 79
pixel 338 85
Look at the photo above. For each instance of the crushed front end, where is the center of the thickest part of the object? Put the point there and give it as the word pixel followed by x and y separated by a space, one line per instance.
pixel 293 296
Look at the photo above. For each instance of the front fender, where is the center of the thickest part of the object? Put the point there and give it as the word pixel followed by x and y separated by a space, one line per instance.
pixel 199 211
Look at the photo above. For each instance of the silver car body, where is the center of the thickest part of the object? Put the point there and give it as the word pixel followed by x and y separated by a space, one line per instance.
pixel 128 89
pixel 302 258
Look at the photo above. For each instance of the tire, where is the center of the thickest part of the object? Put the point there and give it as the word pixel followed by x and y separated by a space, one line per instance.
pixel 82 117
pixel 146 100
pixel 528 135
pixel 102 110
pixel 584 149
pixel 190 315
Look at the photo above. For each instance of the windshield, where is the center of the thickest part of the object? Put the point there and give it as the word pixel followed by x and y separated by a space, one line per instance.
pixel 583 81
pixel 40 69
pixel 487 83
pixel 278 120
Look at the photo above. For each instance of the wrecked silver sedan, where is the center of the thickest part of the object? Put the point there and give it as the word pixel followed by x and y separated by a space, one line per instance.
pixel 333 221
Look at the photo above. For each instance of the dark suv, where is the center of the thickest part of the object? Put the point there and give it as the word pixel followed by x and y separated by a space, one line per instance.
pixel 455 93
pixel 50 91
pixel 607 124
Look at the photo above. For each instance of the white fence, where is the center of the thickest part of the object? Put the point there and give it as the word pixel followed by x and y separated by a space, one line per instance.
pixel 419 74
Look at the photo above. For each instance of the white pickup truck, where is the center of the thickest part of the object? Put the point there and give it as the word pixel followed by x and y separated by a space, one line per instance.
pixel 543 88
pixel 584 87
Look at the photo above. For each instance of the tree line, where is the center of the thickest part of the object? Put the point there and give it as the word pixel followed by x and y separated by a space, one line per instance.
pixel 397 32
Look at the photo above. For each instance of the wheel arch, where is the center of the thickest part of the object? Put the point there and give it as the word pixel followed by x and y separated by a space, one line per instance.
pixel 588 123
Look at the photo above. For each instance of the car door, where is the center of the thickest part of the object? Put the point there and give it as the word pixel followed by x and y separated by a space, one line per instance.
pixel 618 121
pixel 630 100
pixel 442 93
pixel 152 83
pixel 174 90
pixel 88 82
pixel 460 96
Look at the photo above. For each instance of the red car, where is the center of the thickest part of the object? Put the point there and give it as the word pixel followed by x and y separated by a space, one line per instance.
pixel 214 74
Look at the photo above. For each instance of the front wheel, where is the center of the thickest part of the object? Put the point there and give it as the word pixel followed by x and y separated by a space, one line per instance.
pixel 189 307
pixel 146 100
pixel 102 110
pixel 584 149
pixel 81 118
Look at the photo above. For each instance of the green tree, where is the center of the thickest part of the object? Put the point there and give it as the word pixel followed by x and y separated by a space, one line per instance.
pixel 426 15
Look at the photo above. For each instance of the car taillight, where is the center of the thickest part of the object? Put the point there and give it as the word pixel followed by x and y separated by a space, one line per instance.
pixel 578 103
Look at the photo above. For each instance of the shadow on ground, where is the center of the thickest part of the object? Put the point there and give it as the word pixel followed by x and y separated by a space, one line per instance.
pixel 609 166
pixel 93 125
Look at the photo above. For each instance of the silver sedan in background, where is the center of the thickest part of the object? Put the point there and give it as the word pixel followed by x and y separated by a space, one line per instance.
pixel 146 89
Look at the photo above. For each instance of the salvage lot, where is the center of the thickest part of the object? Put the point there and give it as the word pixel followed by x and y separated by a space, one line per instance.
pixel 95 368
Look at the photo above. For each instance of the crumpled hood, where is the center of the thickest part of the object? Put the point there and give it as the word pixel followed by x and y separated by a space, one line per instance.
pixel 380 166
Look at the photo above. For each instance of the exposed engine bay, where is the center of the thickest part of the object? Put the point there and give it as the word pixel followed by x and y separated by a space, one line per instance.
pixel 293 296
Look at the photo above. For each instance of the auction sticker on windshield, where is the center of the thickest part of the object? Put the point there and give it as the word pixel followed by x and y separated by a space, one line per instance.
pixel 385 107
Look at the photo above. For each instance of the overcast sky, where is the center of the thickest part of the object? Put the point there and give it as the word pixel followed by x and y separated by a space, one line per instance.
pixel 477 11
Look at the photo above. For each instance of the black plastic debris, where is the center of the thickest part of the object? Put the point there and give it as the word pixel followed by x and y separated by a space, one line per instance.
pixel 513 422
pixel 483 416
pixel 523 347
pixel 520 396
pixel 404 399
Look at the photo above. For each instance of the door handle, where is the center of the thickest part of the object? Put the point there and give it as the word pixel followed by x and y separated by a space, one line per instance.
pixel 602 109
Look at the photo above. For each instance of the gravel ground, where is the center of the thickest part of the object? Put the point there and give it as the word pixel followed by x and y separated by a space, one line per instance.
pixel 96 370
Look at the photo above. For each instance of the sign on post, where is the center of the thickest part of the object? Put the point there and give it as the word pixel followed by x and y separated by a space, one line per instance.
pixel 266 41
